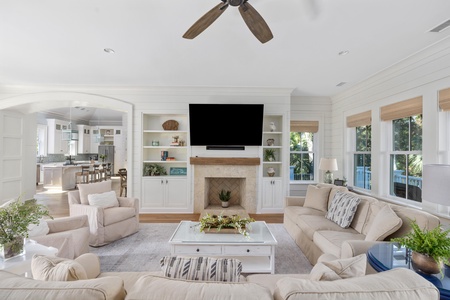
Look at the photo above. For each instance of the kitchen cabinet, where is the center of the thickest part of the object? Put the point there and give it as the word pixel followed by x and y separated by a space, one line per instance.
pixel 272 196
pixel 84 139
pixel 164 194
pixel 55 144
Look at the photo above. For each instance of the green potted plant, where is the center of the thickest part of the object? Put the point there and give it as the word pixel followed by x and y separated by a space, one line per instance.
pixel 269 155
pixel 430 248
pixel 103 157
pixel 216 223
pixel 225 196
pixel 154 170
pixel 15 217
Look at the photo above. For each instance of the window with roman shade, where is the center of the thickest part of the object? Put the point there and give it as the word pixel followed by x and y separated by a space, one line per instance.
pixel 362 157
pixel 302 150
pixel 406 149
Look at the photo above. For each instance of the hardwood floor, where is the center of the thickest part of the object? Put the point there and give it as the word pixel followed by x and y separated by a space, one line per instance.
pixel 57 203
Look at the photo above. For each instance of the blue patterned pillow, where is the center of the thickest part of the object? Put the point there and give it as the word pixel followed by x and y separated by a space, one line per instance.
pixel 343 209
pixel 202 268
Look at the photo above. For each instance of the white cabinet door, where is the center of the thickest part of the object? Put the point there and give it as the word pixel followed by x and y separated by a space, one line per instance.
pixel 272 194
pixel 164 192
pixel 176 192
pixel 153 192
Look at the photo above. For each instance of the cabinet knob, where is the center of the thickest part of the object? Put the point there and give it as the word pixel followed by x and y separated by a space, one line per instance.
pixel 198 250
pixel 167 181
pixel 162 181
pixel 248 250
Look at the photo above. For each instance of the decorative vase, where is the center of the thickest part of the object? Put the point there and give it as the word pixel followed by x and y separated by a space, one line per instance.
pixel 225 204
pixel 13 248
pixel 271 172
pixel 424 263
pixel 270 142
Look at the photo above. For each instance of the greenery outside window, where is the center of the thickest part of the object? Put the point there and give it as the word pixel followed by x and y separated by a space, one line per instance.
pixel 406 158
pixel 301 156
pixel 362 157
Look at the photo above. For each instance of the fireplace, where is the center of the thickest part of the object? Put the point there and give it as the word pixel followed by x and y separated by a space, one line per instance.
pixel 213 174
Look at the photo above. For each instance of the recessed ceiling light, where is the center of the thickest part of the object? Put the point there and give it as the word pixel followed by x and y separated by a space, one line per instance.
pixel 109 50
pixel 343 52
pixel 341 83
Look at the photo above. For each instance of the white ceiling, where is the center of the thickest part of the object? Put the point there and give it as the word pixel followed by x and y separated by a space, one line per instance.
pixel 61 42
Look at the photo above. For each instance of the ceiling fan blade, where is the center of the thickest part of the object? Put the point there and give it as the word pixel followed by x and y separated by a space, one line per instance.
pixel 255 22
pixel 206 20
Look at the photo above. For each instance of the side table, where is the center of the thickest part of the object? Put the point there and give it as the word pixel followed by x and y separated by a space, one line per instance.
pixel 385 256
pixel 21 265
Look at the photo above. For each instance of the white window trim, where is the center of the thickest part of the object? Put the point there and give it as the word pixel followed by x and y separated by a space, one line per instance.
pixel 315 155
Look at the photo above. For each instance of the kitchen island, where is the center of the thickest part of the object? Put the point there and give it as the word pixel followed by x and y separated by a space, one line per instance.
pixel 60 176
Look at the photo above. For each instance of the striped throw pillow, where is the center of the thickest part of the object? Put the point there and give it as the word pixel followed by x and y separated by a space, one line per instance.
pixel 343 209
pixel 202 268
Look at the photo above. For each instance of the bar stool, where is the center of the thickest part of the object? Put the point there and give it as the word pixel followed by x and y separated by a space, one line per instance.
pixel 95 173
pixel 83 176
pixel 108 171
pixel 123 181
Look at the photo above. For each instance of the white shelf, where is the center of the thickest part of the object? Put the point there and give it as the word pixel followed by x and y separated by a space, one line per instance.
pixel 165 161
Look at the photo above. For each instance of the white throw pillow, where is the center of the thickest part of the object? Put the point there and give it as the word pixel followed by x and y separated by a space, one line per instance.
pixel 385 223
pixel 39 229
pixel 339 268
pixel 317 197
pixel 105 200
pixel 93 188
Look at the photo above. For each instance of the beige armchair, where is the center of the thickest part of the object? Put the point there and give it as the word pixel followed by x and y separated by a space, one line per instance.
pixel 70 235
pixel 108 222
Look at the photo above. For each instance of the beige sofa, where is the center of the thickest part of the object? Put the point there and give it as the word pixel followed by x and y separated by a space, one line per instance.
pixel 399 283
pixel 373 222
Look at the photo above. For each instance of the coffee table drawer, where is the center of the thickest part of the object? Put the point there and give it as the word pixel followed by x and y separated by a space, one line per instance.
pixel 200 249
pixel 247 250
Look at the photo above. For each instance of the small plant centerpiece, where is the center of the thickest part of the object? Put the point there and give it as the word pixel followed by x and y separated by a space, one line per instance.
pixel 225 196
pixel 222 223
pixel 269 155
pixel 154 170
pixel 103 157
pixel 15 217
pixel 430 248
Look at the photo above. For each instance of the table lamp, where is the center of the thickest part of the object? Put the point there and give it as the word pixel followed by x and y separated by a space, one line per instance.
pixel 435 184
pixel 328 165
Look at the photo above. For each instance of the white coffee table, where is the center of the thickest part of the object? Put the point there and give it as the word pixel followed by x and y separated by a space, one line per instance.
pixel 256 252
pixel 21 265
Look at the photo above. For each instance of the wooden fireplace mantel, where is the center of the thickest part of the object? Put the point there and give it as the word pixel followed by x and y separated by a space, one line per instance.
pixel 242 161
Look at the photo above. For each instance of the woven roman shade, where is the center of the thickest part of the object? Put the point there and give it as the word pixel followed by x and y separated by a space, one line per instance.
pixel 401 109
pixel 361 119
pixel 305 126
pixel 444 99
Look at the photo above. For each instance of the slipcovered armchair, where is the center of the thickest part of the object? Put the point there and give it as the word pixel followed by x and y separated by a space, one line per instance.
pixel 70 235
pixel 110 217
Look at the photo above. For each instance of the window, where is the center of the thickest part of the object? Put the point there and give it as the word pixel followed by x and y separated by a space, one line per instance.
pixel 406 158
pixel 302 156
pixel 362 157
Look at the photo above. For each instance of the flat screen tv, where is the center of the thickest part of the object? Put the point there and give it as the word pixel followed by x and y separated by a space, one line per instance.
pixel 226 126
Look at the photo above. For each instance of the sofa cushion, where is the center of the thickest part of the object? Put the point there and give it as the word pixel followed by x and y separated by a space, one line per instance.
pixel 385 223
pixel 330 241
pixel 105 200
pixel 423 219
pixel 40 229
pixel 340 268
pixel 114 215
pixel 333 192
pixel 398 283
pixel 317 197
pixel 14 286
pixel 343 209
pixel 309 224
pixel 93 188
pixel 292 212
pixel 163 288
pixel 202 268
pixel 52 268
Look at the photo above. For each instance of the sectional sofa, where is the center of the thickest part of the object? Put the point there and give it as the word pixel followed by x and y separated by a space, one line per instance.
pixel 308 221
pixel 81 279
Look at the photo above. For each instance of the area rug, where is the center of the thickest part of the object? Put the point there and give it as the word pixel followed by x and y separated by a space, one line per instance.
pixel 143 250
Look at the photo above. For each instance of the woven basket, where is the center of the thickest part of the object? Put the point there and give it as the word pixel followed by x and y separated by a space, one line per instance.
pixel 170 125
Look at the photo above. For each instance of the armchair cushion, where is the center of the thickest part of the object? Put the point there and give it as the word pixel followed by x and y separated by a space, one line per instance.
pixel 105 200
pixel 38 229
pixel 116 214
pixel 93 188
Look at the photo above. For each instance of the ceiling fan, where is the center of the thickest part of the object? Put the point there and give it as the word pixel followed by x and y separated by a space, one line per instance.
pixel 252 18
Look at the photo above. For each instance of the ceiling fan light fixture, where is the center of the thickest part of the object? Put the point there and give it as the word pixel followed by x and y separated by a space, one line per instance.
pixel 343 52
pixel 109 50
